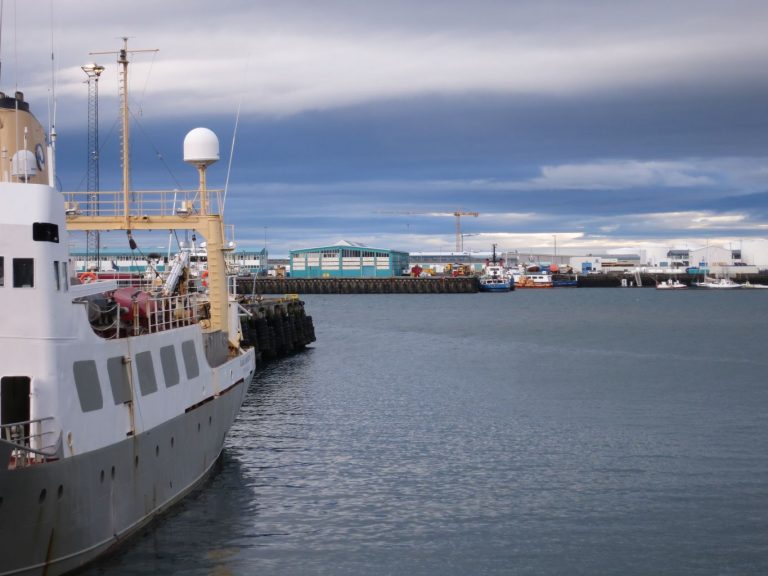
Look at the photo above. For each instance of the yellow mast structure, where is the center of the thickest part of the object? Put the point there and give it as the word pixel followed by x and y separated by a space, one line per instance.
pixel 153 212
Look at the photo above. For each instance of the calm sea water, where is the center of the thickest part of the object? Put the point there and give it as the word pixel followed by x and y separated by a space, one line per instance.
pixel 570 431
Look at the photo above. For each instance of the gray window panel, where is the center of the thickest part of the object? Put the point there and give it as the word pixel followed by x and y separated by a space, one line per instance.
pixel 87 384
pixel 190 359
pixel 118 379
pixel 146 371
pixel 170 366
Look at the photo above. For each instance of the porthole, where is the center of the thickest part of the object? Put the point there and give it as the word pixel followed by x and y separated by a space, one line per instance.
pixel 172 441
pixel 113 473
pixel 157 450
pixel 198 426
pixel 102 475
pixel 43 494
pixel 210 420
pixel 136 461
pixel 61 490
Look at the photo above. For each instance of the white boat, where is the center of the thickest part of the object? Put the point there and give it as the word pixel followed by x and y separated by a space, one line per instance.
pixel 114 403
pixel 749 285
pixel 495 283
pixel 525 279
pixel 671 285
pixel 495 277
pixel 718 284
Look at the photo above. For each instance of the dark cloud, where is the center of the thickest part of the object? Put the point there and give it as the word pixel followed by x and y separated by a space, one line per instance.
pixel 611 119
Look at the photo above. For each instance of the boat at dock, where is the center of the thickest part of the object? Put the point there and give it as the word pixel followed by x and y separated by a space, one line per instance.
pixel 495 277
pixel 532 280
pixel 748 285
pixel 115 400
pixel 671 284
pixel 717 284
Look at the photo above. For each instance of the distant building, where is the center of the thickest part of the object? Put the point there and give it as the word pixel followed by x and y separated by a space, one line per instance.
pixel 347 260
pixel 439 262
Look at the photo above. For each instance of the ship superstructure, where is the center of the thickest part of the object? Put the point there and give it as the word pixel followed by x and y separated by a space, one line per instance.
pixel 114 401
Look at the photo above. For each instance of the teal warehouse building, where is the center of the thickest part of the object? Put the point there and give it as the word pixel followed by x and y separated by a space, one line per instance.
pixel 347 260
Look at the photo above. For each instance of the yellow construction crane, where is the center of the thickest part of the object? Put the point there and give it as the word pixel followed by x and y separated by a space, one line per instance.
pixel 457 214
pixel 458 226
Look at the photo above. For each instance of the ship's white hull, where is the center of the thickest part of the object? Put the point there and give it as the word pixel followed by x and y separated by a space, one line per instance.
pixel 64 514
pixel 114 401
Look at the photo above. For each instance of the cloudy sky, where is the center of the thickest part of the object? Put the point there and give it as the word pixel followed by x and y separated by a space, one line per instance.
pixel 605 123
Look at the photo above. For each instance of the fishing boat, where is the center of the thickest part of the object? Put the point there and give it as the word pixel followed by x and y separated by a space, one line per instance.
pixel 114 402
pixel 717 284
pixel 750 286
pixel 671 284
pixel 527 279
pixel 495 277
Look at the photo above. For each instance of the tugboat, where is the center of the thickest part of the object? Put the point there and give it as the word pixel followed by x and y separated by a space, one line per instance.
pixel 495 276
pixel 114 402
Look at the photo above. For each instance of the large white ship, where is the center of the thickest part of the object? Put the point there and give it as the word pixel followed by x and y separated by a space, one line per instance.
pixel 114 402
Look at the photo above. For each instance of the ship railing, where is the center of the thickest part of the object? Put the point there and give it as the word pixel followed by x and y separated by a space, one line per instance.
pixel 168 312
pixel 29 443
pixel 144 203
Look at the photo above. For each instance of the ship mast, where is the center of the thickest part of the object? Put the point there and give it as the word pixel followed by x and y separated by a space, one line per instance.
pixel 122 59
pixel 157 212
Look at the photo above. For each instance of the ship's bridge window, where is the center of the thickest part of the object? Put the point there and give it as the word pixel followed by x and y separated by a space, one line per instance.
pixel 23 272
pixel 45 232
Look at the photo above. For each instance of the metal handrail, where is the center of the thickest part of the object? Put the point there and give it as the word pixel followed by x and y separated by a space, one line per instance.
pixel 143 203
pixel 167 312
pixel 23 453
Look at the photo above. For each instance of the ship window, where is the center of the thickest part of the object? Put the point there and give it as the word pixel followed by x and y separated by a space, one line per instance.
pixel 146 370
pixel 170 366
pixel 118 379
pixel 23 272
pixel 2 271
pixel 190 359
pixel 87 384
pixel 56 274
pixel 64 276
pixel 45 232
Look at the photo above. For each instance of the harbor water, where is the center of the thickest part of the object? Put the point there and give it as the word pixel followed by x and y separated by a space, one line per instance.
pixel 567 431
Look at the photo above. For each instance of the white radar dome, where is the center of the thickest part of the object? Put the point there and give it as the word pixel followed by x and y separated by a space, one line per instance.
pixel 201 146
pixel 23 165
